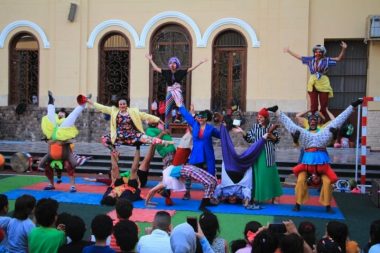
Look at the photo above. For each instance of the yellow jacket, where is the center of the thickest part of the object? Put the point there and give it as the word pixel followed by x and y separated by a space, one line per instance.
pixel 136 116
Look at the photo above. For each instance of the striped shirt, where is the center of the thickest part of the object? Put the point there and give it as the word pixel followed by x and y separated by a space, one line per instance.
pixel 256 132
pixel 320 67
pixel 321 139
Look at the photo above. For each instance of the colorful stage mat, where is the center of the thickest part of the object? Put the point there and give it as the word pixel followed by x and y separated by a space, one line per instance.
pixel 90 193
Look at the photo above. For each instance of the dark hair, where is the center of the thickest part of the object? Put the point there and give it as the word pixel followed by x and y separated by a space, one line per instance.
pixel 125 99
pixel 264 242
pixel 338 231
pixel 252 226
pixel 374 232
pixel 162 220
pixel 101 226
pixel 3 201
pixel 291 243
pixel 210 225
pixel 126 234
pixel 124 208
pixel 75 228
pixel 63 218
pixel 235 245
pixel 46 211
pixel 307 231
pixel 24 206
pixel 328 245
pixel 108 201
pixel 64 111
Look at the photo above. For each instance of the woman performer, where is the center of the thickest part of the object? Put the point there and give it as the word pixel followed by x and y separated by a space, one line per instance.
pixel 173 76
pixel 266 181
pixel 318 86
pixel 58 130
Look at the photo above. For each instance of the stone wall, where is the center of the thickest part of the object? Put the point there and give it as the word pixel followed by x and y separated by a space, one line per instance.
pixel 91 125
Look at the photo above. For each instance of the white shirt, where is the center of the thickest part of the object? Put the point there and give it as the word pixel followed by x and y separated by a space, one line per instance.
pixel 157 242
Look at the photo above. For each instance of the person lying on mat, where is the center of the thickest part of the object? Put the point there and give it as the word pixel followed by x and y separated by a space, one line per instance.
pixel 123 185
pixel 171 179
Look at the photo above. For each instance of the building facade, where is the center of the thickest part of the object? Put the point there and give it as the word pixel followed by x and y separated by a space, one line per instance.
pixel 100 47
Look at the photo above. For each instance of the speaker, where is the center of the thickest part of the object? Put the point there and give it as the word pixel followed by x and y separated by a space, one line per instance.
pixel 72 12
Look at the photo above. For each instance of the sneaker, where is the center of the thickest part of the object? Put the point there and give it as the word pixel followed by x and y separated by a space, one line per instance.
pixel 296 208
pixel 168 201
pixel 49 188
pixel 186 196
pixel 73 189
pixel 253 207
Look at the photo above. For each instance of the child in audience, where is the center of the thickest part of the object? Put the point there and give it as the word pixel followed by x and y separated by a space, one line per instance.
pixel 101 227
pixel 124 210
pixel 46 238
pixel 3 211
pixel 75 229
pixel 307 231
pixel 250 232
pixel 126 234
pixel 18 227
pixel 338 232
pixel 210 227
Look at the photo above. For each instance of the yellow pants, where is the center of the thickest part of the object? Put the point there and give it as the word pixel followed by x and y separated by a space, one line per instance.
pixel 302 193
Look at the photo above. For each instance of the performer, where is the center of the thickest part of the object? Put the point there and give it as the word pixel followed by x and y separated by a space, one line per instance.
pixel 126 128
pixel 266 180
pixel 58 130
pixel 315 160
pixel 173 77
pixel 124 185
pixel 318 86
pixel 171 180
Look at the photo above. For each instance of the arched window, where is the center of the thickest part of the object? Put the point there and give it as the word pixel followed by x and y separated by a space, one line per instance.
pixel 24 69
pixel 229 71
pixel 167 41
pixel 113 68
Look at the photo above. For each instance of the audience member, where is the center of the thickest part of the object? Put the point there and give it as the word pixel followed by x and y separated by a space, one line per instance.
pixel 265 242
pixel 374 232
pixel 159 240
pixel 18 227
pixel 292 243
pixel 307 231
pixel 338 231
pixel 183 239
pixel 238 244
pixel 126 234
pixel 124 210
pixel 46 237
pixel 101 227
pixel 250 232
pixel 328 245
pixel 3 211
pixel 210 227
pixel 75 229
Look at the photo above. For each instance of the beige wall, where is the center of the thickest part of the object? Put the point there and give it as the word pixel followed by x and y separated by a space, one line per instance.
pixel 69 67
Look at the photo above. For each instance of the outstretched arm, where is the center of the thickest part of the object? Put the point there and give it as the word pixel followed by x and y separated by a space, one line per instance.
pixel 197 65
pixel 154 65
pixel 295 55
pixel 151 193
pixel 343 45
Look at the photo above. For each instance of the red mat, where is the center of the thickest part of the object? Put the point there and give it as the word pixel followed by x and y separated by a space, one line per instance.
pixel 141 215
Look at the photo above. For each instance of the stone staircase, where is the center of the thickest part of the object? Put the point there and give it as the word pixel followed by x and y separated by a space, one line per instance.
pixel 101 164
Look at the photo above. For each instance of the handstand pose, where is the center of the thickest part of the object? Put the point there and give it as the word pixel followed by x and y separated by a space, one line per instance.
pixel 173 77
pixel 58 129
pixel 318 86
